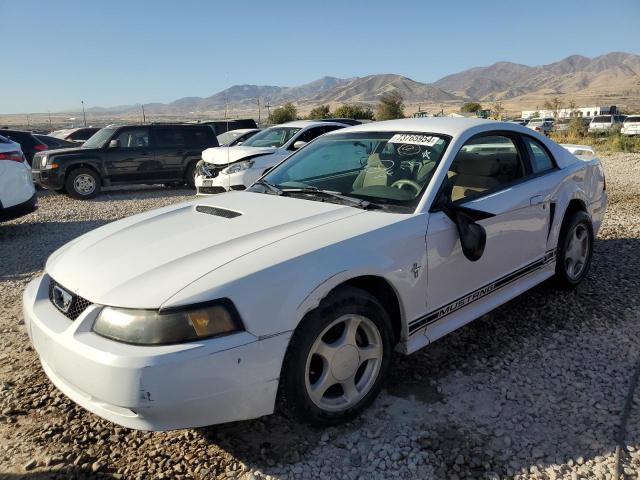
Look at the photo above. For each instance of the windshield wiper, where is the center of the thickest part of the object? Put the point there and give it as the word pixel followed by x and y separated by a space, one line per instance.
pixel 272 188
pixel 356 202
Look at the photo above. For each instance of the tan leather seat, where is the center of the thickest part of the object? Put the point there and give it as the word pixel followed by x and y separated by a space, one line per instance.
pixel 475 173
pixel 374 174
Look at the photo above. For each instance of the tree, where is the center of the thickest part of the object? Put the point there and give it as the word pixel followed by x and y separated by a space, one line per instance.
pixel 321 111
pixel 390 106
pixel 283 114
pixel 471 107
pixel 497 110
pixel 357 112
pixel 554 105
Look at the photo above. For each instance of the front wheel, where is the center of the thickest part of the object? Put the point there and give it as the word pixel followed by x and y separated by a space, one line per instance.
pixel 83 183
pixel 337 359
pixel 190 176
pixel 575 249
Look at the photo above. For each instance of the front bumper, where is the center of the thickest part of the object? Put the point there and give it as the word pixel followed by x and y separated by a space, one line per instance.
pixel 153 388
pixel 50 179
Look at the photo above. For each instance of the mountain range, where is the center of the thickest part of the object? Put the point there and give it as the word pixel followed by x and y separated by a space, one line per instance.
pixel 614 75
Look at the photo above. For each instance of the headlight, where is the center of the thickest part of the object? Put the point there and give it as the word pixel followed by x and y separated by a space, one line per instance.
pixel 43 161
pixel 153 327
pixel 238 167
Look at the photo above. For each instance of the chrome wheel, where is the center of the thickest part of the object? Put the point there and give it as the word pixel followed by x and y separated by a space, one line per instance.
pixel 577 251
pixel 84 184
pixel 343 363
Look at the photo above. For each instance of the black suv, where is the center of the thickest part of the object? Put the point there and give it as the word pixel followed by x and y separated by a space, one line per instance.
pixel 125 155
pixel 30 144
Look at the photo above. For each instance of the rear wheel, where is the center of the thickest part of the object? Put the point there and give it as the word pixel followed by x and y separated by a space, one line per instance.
pixel 83 183
pixel 337 359
pixel 575 249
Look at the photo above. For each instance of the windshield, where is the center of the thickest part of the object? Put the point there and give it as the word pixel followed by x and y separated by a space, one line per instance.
pixel 602 119
pixel 379 167
pixel 632 120
pixel 98 139
pixel 272 137
pixel 227 137
pixel 536 121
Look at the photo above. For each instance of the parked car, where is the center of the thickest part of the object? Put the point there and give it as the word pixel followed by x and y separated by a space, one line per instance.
pixel 29 144
pixel 54 143
pixel 236 168
pixel 561 125
pixel 541 125
pixel 17 194
pixel 223 126
pixel 236 137
pixel 76 135
pixel 606 123
pixel 125 155
pixel 631 125
pixel 373 239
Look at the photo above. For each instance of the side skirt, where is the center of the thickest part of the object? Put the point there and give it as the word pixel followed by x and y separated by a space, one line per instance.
pixel 440 322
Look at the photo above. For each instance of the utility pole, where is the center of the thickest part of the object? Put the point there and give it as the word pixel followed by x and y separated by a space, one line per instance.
pixel 258 110
pixel 84 117
pixel 144 118
pixel 268 106
pixel 50 126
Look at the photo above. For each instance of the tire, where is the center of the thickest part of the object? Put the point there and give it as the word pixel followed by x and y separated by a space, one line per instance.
pixel 190 176
pixel 575 250
pixel 326 330
pixel 83 183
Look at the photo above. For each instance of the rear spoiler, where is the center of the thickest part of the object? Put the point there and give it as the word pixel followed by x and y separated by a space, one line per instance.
pixel 583 152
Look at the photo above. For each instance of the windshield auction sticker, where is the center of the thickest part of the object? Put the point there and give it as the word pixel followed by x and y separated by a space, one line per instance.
pixel 414 139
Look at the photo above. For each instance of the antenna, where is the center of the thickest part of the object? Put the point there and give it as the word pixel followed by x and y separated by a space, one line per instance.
pixel 84 117
pixel 258 109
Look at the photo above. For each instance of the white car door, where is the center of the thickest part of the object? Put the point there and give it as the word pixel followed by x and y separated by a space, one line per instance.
pixel 491 173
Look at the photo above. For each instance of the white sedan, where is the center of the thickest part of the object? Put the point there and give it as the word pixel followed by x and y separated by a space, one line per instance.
pixel 293 293
pixel 17 193
pixel 235 168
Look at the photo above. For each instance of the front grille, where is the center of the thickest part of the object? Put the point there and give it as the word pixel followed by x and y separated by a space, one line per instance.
pixel 208 170
pixel 211 190
pixel 218 212
pixel 77 305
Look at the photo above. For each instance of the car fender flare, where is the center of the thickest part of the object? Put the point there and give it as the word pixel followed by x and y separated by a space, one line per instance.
pixel 571 191
pixel 320 292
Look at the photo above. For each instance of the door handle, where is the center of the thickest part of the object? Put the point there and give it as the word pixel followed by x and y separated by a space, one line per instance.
pixel 536 200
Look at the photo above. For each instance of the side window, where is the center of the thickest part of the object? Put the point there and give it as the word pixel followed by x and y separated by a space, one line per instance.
pixel 540 159
pixel 134 138
pixel 169 137
pixel 201 137
pixel 310 134
pixel 484 163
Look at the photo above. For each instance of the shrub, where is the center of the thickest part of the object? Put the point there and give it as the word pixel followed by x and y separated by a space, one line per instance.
pixel 283 114
pixel 390 106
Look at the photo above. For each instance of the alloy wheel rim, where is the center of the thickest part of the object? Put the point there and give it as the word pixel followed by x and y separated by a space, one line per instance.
pixel 343 363
pixel 84 184
pixel 577 252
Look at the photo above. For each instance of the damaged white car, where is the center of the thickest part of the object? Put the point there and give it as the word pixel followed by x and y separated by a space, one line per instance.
pixel 294 293
pixel 237 167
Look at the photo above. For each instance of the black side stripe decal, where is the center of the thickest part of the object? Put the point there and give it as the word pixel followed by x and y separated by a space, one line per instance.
pixel 481 292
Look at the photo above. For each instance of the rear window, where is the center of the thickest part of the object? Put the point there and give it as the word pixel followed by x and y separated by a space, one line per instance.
pixel 602 119
pixel 25 139
pixel 632 120
pixel 202 136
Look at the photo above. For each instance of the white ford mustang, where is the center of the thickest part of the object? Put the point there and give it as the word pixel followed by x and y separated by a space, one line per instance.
pixel 294 293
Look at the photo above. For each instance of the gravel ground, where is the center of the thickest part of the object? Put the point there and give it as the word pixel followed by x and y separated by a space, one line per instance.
pixel 535 389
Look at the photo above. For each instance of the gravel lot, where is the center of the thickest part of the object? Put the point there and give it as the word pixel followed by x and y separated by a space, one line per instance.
pixel 535 389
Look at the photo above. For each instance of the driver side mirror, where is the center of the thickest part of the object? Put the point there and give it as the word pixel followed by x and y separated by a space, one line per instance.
pixel 299 144
pixel 114 144
pixel 473 237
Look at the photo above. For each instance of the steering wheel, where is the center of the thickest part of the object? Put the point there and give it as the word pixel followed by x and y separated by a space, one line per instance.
pixel 410 183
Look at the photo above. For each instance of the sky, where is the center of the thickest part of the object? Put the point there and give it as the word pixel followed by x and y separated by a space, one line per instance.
pixel 116 52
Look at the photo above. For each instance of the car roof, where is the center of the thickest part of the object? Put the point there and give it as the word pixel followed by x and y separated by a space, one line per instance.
pixel 308 123
pixel 442 125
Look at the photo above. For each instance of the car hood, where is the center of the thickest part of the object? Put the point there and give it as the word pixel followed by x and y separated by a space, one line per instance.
pixel 141 261
pixel 227 155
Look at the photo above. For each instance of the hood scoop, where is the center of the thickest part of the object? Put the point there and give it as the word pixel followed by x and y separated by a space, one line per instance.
pixel 216 211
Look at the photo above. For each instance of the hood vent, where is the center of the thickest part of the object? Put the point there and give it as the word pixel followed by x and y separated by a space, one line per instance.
pixel 218 212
